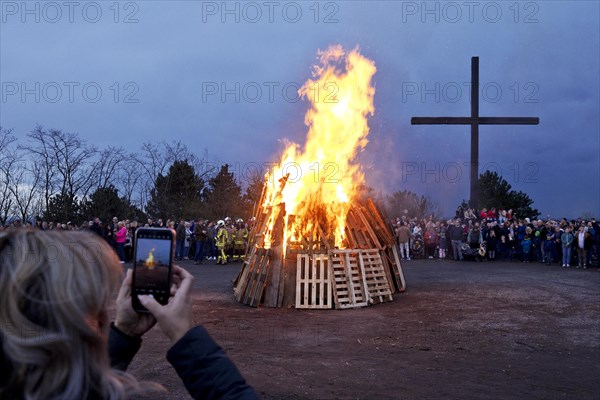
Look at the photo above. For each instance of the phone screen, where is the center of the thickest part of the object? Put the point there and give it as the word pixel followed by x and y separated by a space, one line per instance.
pixel 152 264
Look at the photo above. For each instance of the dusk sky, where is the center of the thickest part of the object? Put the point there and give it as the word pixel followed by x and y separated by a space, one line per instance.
pixel 221 77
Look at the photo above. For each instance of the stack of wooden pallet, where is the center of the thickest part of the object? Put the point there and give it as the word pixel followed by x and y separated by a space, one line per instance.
pixel 311 273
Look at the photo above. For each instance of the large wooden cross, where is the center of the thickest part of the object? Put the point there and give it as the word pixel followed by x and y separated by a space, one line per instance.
pixel 475 120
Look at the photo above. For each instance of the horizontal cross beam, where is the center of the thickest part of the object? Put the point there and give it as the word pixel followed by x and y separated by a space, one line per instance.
pixel 475 121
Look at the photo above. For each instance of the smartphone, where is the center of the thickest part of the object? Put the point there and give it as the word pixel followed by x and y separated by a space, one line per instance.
pixel 152 265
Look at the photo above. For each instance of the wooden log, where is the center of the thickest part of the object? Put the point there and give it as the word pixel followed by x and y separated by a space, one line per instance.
pixel 242 278
pixel 324 239
pixel 375 242
pixel 255 295
pixel 273 284
pixel 256 282
pixel 364 240
pixel 383 228
pixel 258 232
pixel 388 267
pixel 287 295
pixel 400 281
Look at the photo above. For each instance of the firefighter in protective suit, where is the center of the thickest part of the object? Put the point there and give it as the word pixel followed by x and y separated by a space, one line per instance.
pixel 239 244
pixel 230 237
pixel 221 240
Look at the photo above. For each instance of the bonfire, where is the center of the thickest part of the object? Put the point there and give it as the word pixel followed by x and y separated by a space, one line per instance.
pixel 317 240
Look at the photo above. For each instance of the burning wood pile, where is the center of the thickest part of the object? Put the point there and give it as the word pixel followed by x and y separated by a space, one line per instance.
pixel 316 241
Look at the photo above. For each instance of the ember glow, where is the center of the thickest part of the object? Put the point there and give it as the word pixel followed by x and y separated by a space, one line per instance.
pixel 323 177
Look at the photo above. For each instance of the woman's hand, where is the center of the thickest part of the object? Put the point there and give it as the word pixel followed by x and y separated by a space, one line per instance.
pixel 175 318
pixel 129 321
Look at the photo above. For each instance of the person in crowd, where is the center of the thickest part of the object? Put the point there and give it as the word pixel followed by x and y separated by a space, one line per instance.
pixel 430 238
pixel 566 240
pixel 199 240
pixel 403 236
pixel 549 244
pixel 221 241
pixel 470 215
pixel 187 245
pixel 558 256
pixel 520 231
pixel 594 231
pixel 114 227
pixel 211 237
pixel 120 239
pixel 456 236
pixel 474 237
pixel 459 212
pixel 240 240
pixel 526 244
pixel 179 240
pixel 94 226
pixel 492 243
pixel 483 215
pixel 536 240
pixel 583 242
pixel 442 242
pixel 229 244
pixel 107 233
pixel 417 231
pixel 56 341
pixel 502 216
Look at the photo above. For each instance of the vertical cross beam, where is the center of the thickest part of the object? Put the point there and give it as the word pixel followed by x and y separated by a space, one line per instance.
pixel 475 120
pixel 474 196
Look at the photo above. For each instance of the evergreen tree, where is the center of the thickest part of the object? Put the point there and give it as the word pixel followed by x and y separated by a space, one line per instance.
pixel 62 208
pixel 223 197
pixel 105 203
pixel 253 194
pixel 495 191
pixel 176 194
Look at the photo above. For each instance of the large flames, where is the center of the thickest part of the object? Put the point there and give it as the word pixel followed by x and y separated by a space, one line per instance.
pixel 150 262
pixel 321 179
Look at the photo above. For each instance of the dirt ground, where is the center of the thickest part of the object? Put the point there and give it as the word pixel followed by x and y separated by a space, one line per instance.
pixel 462 330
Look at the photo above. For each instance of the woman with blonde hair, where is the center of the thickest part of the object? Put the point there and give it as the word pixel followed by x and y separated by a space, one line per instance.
pixel 55 338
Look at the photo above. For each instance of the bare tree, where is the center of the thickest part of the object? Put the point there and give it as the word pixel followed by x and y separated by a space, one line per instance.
pixel 108 166
pixel 131 179
pixel 65 162
pixel 40 150
pixel 25 187
pixel 6 168
pixel 152 160
pixel 73 162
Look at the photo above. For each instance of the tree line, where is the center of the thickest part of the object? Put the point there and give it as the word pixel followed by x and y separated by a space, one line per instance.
pixel 494 192
pixel 58 176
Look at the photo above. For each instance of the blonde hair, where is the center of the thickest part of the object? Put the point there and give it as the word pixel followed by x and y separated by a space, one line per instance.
pixel 55 288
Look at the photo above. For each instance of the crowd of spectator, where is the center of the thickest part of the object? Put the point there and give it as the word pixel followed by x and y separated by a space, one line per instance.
pixel 485 235
pixel 500 235
pixel 195 239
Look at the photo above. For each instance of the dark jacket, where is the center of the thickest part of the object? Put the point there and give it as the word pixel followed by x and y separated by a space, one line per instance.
pixel 180 232
pixel 456 232
pixel 202 365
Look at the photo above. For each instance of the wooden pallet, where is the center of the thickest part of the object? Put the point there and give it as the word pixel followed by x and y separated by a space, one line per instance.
pixel 376 278
pixel 347 279
pixel 251 286
pixel 313 285
pixel 397 268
